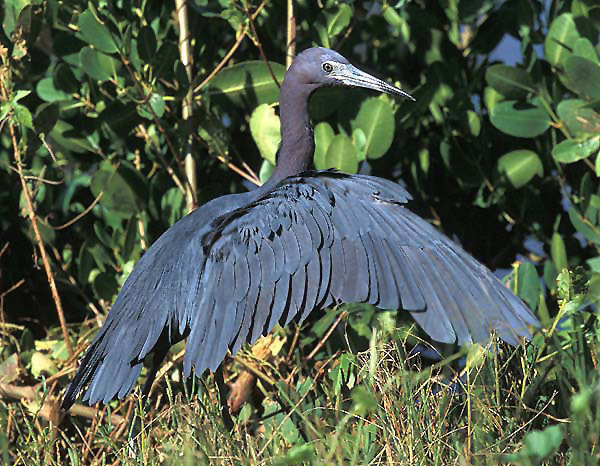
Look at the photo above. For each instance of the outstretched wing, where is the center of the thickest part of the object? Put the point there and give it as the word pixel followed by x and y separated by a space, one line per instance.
pixel 325 237
pixel 314 240
pixel 153 304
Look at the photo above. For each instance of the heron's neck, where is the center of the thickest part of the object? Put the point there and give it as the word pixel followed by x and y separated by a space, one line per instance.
pixel 297 142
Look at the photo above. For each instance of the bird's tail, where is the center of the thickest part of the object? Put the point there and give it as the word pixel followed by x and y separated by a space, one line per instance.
pixel 106 374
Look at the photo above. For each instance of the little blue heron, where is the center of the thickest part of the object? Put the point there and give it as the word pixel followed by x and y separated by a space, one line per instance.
pixel 228 272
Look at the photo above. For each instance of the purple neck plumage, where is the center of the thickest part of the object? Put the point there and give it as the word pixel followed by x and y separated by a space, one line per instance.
pixel 297 141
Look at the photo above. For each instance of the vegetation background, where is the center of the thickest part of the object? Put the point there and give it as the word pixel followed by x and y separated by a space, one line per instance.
pixel 118 117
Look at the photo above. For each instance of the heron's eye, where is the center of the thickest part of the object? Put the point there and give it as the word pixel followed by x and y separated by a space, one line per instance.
pixel 327 67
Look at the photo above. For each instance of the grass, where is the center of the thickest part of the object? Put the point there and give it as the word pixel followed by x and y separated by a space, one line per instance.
pixel 382 405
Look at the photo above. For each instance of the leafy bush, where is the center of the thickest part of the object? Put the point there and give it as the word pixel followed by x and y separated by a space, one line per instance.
pixel 109 133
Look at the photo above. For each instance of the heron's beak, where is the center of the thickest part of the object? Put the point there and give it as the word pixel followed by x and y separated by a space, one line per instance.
pixel 352 76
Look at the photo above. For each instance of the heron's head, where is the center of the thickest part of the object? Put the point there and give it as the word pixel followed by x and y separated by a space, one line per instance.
pixel 317 67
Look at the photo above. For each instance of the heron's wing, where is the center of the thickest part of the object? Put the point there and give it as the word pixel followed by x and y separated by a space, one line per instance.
pixel 325 237
pixel 152 304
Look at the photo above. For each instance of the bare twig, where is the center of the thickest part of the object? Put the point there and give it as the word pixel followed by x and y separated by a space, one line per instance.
pixel 185 54
pixel 232 50
pixel 36 230
pixel 248 174
pixel 240 172
pixel 78 216
pixel 144 134
pixel 290 52
pixel 259 45
pixel 12 288
pixel 30 393
pixel 326 336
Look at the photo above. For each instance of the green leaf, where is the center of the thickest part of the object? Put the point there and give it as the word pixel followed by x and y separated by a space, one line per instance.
pixel 528 285
pixel 341 155
pixel 124 188
pixel 20 94
pixel 511 82
pixel 11 14
pixel 583 226
pixel 157 104
pixel 64 79
pixel 266 170
pixel 331 23
pixel 323 134
pixel 98 65
pixel 66 136
pixel 298 454
pixel 23 115
pixel 585 49
pixel 584 76
pixel 520 166
pixel 474 122
pixel 9 369
pixel 542 444
pixel 46 91
pixel 559 252
pixel 376 119
pixel 248 83
pixel 45 118
pixel 130 238
pixel 42 364
pixel 491 97
pixel 339 20
pixel 560 39
pixel 578 117
pixel 570 151
pixel 265 129
pixel 105 286
pixel 520 120
pixel 96 33
pixel 343 374
pixel 359 140
pixel 146 44
pixel 364 401
pixel 172 206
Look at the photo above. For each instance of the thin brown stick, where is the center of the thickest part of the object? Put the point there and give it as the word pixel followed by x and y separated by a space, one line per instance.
pixel 259 45
pixel 36 230
pixel 232 50
pixel 78 216
pixel 240 172
pixel 15 392
pixel 294 341
pixel 248 174
pixel 290 52
pixel 12 288
pixel 37 178
pixel 326 336
pixel 185 53
pixel 170 171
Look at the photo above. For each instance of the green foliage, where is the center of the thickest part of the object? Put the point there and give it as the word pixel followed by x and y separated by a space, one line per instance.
pixel 500 155
pixel 264 126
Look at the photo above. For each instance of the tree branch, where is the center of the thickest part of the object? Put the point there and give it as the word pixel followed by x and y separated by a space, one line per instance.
pixel 185 53
pixel 36 230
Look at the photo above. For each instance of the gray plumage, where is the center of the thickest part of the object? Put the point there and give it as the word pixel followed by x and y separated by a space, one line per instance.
pixel 229 271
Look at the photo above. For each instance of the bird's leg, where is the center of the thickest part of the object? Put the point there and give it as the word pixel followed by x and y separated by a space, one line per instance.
pixel 160 352
pixel 220 380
